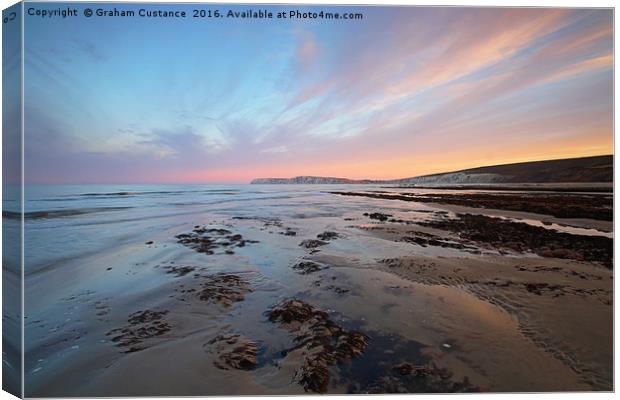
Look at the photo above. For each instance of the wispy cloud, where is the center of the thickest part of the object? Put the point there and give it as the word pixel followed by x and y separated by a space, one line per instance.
pixel 405 91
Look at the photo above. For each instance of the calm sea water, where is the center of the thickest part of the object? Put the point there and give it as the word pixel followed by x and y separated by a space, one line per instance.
pixel 65 221
pixel 72 220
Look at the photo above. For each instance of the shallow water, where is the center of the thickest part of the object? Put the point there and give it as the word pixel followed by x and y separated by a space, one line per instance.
pixel 562 228
pixel 89 265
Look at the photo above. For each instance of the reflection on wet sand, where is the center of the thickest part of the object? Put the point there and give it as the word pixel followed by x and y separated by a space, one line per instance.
pixel 319 292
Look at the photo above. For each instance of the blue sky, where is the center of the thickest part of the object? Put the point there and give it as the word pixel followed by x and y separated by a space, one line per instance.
pixel 403 92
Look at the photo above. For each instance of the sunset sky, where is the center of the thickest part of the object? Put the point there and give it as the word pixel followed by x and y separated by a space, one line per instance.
pixel 403 92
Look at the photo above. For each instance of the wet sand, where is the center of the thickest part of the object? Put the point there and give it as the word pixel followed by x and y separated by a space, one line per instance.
pixel 355 294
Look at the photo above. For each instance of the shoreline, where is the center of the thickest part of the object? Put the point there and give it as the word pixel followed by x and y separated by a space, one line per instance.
pixel 253 297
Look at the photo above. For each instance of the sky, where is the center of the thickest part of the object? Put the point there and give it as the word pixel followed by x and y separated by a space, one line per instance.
pixel 405 91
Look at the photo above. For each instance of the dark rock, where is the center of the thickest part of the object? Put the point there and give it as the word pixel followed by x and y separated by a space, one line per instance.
pixel 312 243
pixel 378 216
pixel 308 267
pixel 328 235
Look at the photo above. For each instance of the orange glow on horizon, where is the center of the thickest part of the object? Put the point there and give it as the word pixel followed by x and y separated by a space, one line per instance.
pixel 392 168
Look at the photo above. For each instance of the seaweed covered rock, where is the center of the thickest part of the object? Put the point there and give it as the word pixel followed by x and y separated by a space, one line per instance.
pixel 322 341
pixel 233 351
pixel 141 326
pixel 312 243
pixel 209 240
pixel 410 378
pixel 308 267
pixel 179 271
pixel 224 289
pixel 328 235
pixel 378 216
pixel 521 237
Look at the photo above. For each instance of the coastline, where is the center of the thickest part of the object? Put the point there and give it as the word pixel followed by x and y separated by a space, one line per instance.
pixel 196 284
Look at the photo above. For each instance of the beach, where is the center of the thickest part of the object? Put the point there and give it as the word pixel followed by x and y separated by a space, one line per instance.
pixel 161 290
